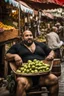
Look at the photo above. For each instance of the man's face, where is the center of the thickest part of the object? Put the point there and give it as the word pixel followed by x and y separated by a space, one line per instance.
pixel 28 38
pixel 56 30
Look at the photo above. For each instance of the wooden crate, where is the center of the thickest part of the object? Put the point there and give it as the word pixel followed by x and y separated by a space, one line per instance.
pixel 10 34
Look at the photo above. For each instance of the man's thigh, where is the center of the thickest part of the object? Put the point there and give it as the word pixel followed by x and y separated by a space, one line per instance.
pixel 48 80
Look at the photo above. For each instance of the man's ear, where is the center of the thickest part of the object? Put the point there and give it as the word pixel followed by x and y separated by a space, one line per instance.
pixel 22 38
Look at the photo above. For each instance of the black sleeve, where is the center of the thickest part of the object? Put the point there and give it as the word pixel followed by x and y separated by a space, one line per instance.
pixel 12 50
pixel 45 47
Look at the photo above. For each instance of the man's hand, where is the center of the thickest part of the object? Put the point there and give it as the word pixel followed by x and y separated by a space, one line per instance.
pixel 50 56
pixel 18 60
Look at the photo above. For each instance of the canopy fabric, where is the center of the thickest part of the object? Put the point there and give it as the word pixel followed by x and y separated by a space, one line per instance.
pixel 44 4
pixel 59 2
pixel 48 14
pixel 23 6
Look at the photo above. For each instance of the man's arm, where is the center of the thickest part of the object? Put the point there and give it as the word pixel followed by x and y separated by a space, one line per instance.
pixel 51 55
pixel 14 57
pixel 10 57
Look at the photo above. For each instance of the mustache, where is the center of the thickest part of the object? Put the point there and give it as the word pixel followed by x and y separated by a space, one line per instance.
pixel 30 39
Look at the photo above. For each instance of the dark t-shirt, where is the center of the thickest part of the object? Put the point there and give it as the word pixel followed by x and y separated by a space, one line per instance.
pixel 41 51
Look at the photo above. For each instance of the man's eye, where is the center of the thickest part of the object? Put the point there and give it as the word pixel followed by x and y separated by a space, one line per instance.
pixel 28 35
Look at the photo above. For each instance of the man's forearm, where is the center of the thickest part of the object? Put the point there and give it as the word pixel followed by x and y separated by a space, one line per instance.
pixel 10 57
pixel 52 53
pixel 14 57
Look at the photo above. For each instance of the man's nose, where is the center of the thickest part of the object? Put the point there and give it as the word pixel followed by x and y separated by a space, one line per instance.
pixel 29 36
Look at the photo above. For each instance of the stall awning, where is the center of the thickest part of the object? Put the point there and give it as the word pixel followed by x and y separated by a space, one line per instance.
pixel 59 2
pixel 23 6
pixel 44 4
pixel 48 14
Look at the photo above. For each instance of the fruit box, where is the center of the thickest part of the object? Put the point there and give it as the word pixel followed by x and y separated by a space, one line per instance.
pixel 9 34
pixel 14 68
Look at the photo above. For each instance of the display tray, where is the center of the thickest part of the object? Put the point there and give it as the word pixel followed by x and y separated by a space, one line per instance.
pixel 8 34
pixel 14 68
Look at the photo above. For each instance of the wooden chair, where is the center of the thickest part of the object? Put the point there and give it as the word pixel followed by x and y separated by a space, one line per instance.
pixel 36 89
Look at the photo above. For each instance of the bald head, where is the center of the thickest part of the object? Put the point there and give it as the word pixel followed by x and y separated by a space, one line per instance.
pixel 27 37
pixel 55 29
pixel 57 24
pixel 27 31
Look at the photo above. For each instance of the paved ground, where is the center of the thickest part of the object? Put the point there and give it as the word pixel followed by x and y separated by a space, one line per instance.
pixel 4 92
pixel 61 82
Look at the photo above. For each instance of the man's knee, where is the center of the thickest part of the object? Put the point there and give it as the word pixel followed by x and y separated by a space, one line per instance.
pixel 24 82
pixel 51 80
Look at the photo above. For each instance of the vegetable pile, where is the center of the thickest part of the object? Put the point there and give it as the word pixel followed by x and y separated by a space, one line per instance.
pixel 34 66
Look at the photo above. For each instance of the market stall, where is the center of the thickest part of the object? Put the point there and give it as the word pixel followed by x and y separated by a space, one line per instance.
pixel 8 32
pixel 11 20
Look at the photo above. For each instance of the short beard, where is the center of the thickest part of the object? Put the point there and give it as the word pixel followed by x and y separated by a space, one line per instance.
pixel 26 43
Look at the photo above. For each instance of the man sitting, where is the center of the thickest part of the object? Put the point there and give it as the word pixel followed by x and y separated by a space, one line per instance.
pixel 29 49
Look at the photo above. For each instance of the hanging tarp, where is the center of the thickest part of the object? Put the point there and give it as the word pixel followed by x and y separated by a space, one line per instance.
pixel 60 2
pixel 24 7
pixel 48 14
pixel 44 4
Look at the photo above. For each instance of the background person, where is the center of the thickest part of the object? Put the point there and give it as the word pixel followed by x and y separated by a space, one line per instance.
pixel 60 30
pixel 54 41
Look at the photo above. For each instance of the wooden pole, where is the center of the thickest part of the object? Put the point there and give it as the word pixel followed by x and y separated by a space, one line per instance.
pixel 19 19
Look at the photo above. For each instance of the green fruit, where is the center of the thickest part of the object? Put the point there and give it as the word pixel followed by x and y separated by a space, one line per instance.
pixel 18 71
pixel 32 71
pixel 27 71
pixel 29 61
pixel 34 60
pixel 33 67
pixel 47 69
pixel 35 71
pixel 21 68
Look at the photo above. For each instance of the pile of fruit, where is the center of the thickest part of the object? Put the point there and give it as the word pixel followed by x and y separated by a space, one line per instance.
pixel 5 27
pixel 34 66
pixel 40 38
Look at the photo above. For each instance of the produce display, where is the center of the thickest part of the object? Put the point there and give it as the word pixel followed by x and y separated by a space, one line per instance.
pixel 14 14
pixel 34 66
pixel 5 27
pixel 40 38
